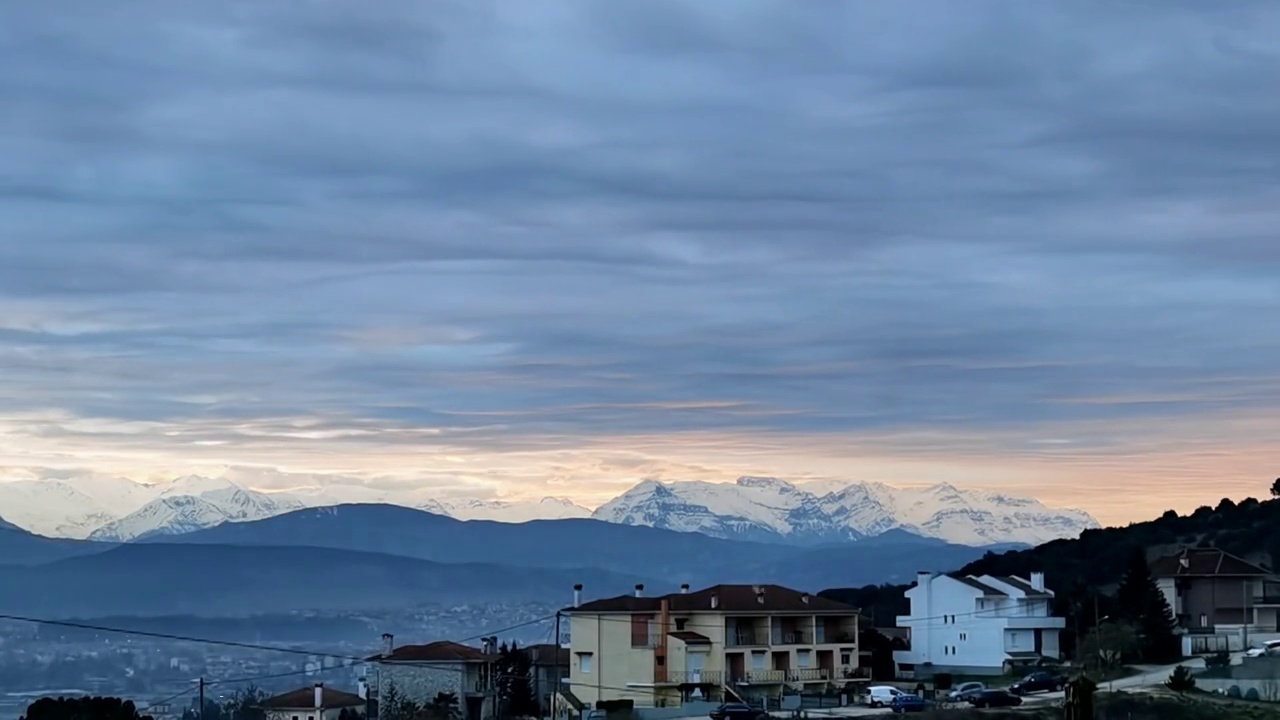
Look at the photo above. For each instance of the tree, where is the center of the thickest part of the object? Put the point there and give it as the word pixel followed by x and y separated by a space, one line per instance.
pixel 1160 642
pixel 1142 604
pixel 394 706
pixel 1108 644
pixel 245 704
pixel 515 685
pixel 1275 488
pixel 83 708
pixel 1135 587
pixel 1180 680
pixel 444 706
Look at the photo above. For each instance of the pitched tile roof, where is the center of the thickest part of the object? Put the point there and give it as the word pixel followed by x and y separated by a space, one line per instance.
pixel 306 698
pixel 1204 562
pixel 729 598
pixel 690 638
pixel 439 651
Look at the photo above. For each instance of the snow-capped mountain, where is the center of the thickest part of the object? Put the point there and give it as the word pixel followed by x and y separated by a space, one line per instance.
pixel 194 503
pixel 753 508
pixel 769 509
pixel 548 508
pixel 54 508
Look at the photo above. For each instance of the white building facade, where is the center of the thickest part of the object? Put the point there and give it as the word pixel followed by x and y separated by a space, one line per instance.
pixel 981 625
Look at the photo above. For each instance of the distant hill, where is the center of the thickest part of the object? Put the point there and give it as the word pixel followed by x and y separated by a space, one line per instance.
pixel 220 580
pixel 19 547
pixel 868 562
pixel 1250 529
pixel 652 552
pixel 540 543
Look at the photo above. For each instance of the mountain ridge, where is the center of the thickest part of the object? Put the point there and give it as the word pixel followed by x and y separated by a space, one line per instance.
pixel 754 509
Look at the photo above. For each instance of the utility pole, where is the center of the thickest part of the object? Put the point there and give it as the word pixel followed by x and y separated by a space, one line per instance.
pixel 555 660
pixel 202 697
pixel 1244 592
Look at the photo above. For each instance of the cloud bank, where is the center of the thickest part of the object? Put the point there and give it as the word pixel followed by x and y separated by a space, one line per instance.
pixel 517 249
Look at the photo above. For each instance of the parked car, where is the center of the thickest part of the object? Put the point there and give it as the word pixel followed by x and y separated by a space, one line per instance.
pixel 994 698
pixel 882 695
pixel 964 691
pixel 1042 681
pixel 904 703
pixel 738 711
pixel 1270 647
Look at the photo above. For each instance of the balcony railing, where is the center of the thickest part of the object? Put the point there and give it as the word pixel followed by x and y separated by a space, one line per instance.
pixel 646 640
pixel 696 677
pixel 809 675
pixel 850 672
pixel 759 677
pixel 1268 598
pixel 825 636
pixel 740 638
pixel 792 637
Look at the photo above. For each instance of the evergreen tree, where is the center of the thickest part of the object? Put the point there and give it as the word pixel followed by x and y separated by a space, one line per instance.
pixel 1180 680
pixel 1133 596
pixel 1160 644
pixel 515 682
pixel 444 706
pixel 1141 602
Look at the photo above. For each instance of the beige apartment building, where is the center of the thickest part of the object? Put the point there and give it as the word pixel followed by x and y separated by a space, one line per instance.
pixel 726 642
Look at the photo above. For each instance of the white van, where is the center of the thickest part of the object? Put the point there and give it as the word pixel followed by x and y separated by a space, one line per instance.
pixel 882 695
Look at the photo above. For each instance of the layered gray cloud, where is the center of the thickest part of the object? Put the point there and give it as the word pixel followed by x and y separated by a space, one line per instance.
pixel 528 224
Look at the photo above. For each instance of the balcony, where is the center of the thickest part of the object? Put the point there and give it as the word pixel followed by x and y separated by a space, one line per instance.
pixel 1031 623
pixel 651 639
pixel 851 672
pixel 792 637
pixel 1267 599
pixel 803 675
pixel 743 638
pixel 833 636
pixel 760 677
pixel 696 677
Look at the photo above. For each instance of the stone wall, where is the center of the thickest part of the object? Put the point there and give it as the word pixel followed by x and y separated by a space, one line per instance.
pixel 421 683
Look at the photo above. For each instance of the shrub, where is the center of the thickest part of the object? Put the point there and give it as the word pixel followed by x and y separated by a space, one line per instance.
pixel 1180 680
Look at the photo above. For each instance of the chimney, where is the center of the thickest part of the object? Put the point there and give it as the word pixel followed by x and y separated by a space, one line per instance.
pixel 805 598
pixel 639 590
pixel 759 594
pixel 684 589
pixel 362 689
pixel 1037 581
pixel 577 595
pixel 715 601
pixel 923 577
pixel 387 643
pixel 319 695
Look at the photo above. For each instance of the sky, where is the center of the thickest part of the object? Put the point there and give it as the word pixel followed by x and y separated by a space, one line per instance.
pixel 508 249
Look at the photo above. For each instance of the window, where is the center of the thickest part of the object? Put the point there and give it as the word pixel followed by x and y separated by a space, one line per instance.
pixel 584 662
pixel 757 661
pixel 680 623
pixel 846 658
pixel 964 636
pixel 802 658
pixel 661 660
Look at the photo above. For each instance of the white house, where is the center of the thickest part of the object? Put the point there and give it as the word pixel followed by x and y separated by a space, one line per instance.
pixel 977 625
